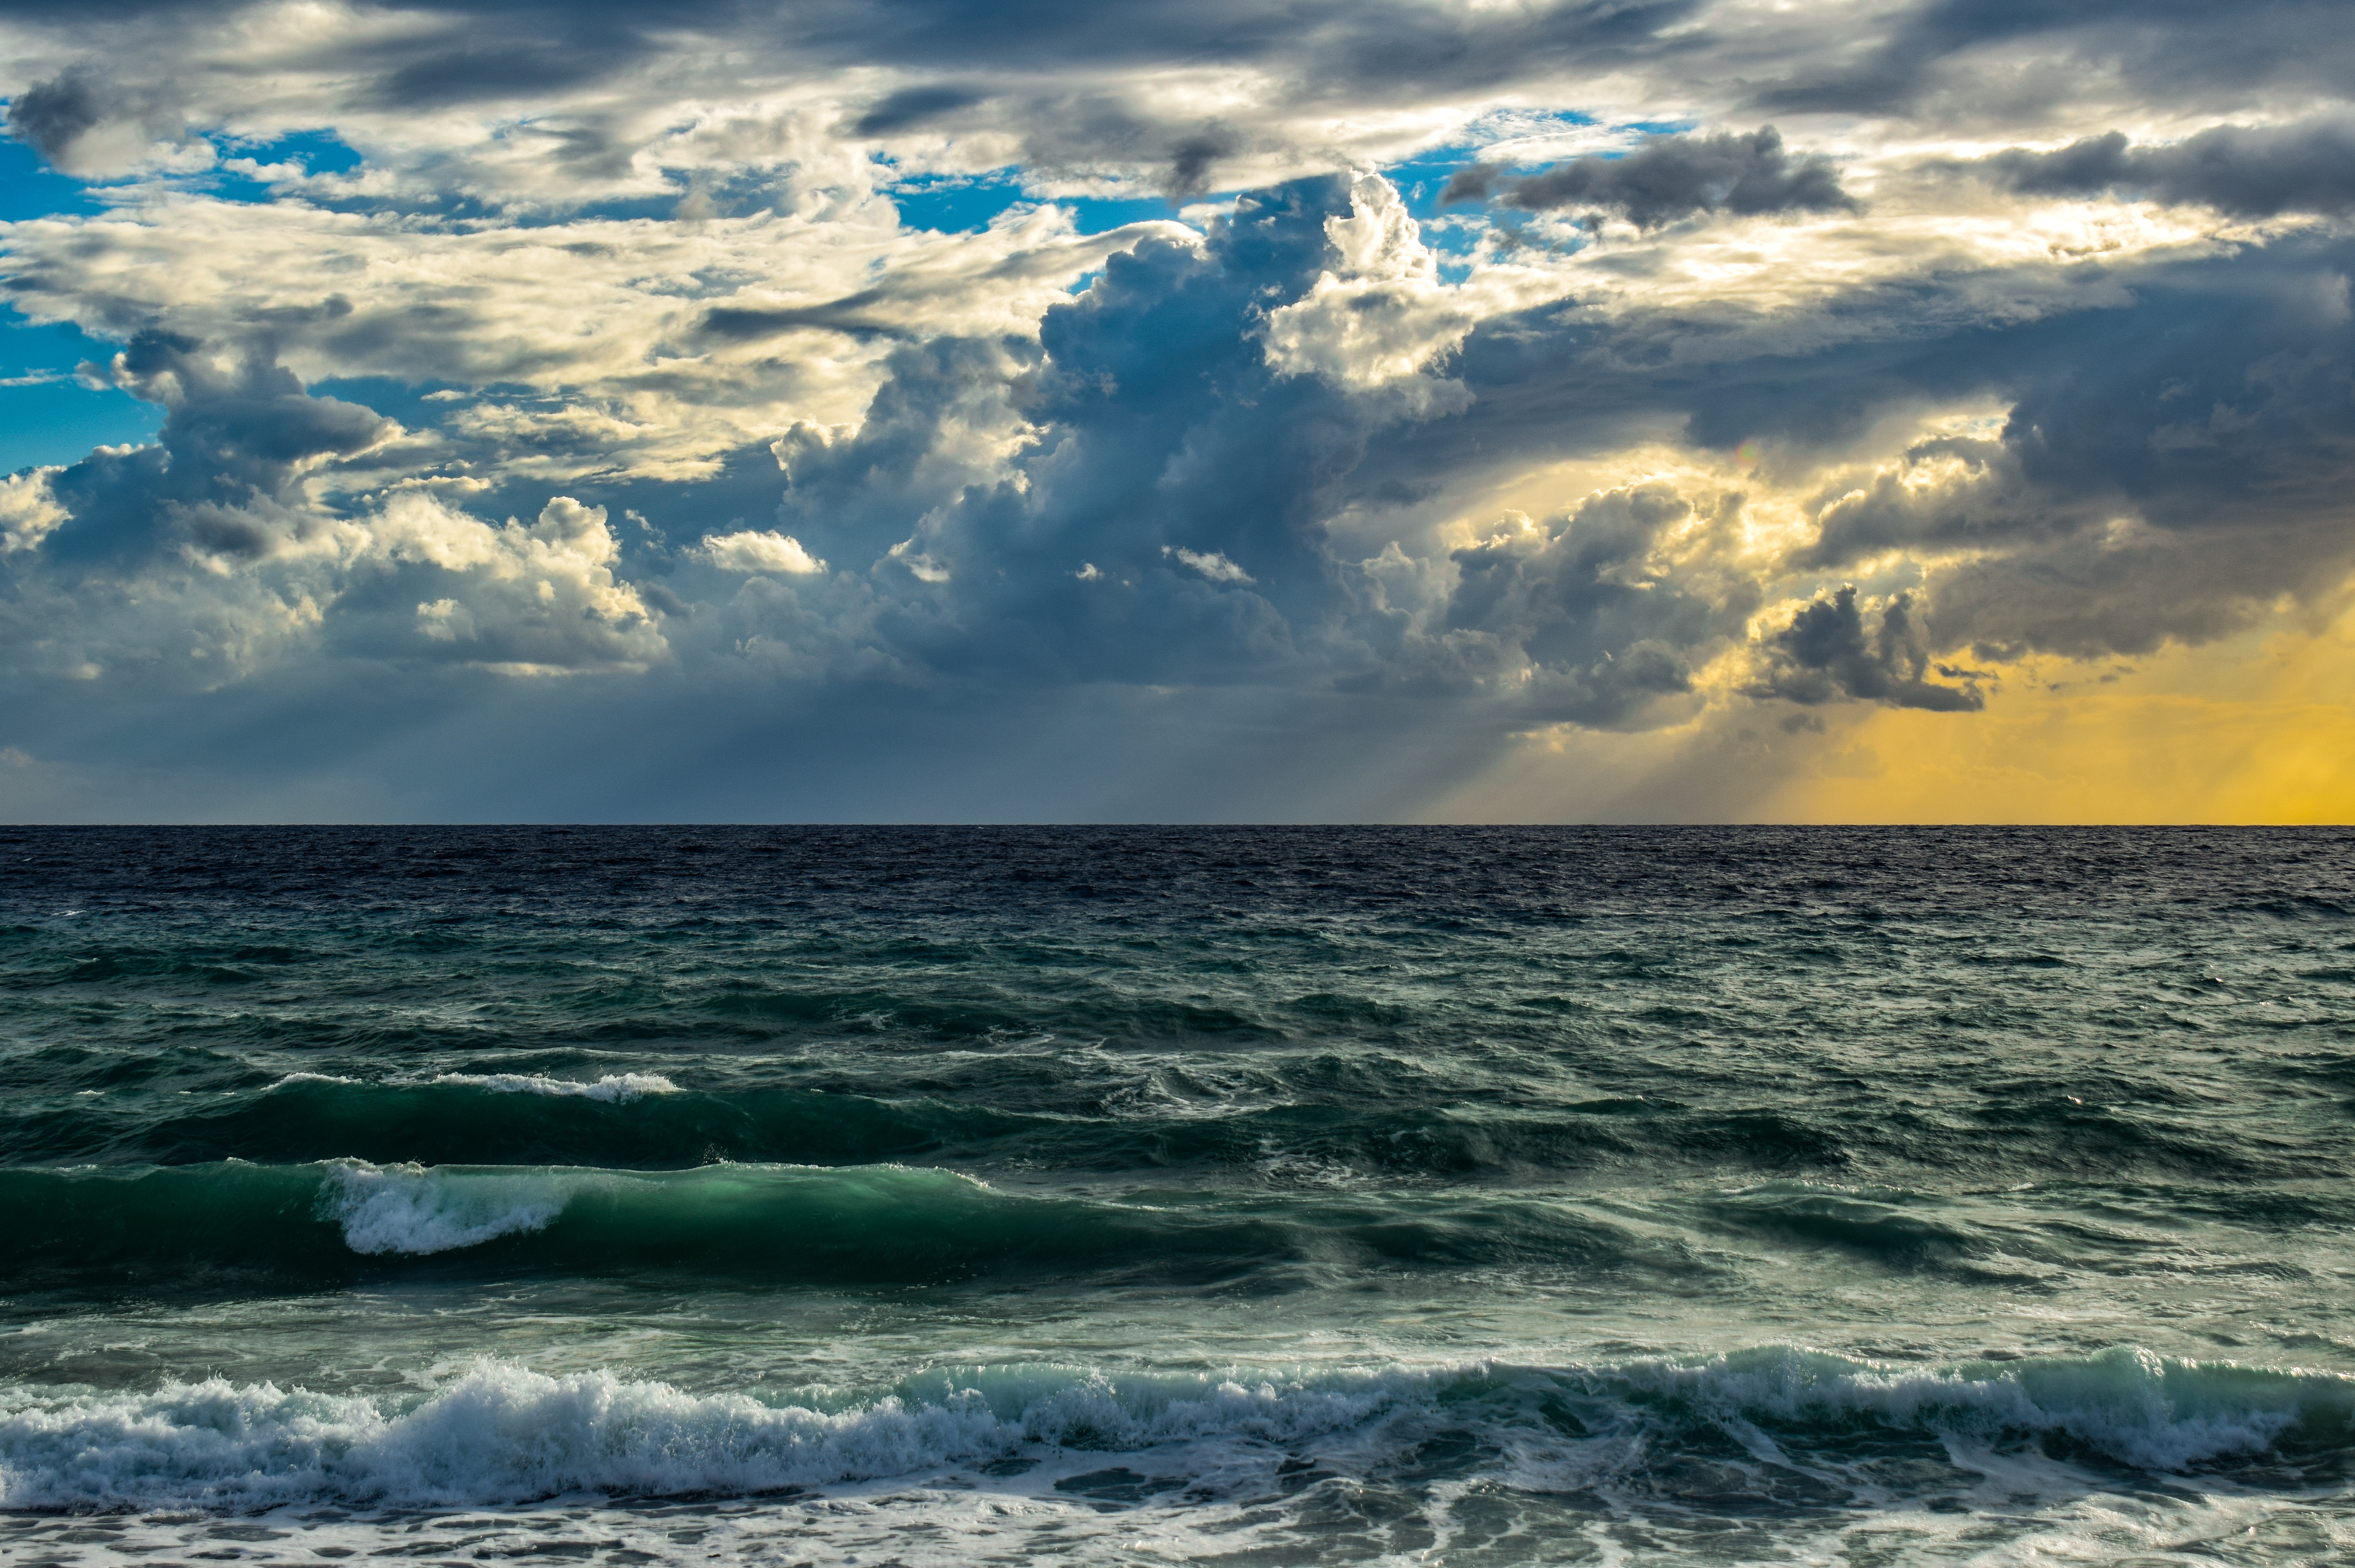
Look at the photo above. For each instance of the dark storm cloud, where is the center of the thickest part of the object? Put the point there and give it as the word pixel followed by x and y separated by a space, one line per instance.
pixel 237 431
pixel 2175 454
pixel 2026 58
pixel 2248 171
pixel 50 115
pixel 1834 650
pixel 1139 497
pixel 1671 177
pixel 1169 519
pixel 1329 51
pixel 2167 470
pixel 2209 411
pixel 848 316
pixel 1159 426
pixel 1572 600
pixel 913 106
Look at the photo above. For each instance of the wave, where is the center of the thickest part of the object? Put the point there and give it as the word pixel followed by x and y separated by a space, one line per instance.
pixel 614 1089
pixel 504 1434
pixel 417 1213
pixel 216 1223
pixel 637 1119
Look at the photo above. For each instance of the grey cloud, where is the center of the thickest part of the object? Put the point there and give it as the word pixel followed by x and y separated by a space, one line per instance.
pixel 237 431
pixel 1158 422
pixel 1990 503
pixel 933 429
pixel 2210 404
pixel 913 106
pixel 2204 405
pixel 1004 69
pixel 847 315
pixel 1157 434
pixel 1574 600
pixel 1094 131
pixel 2087 597
pixel 54 117
pixel 1969 59
pixel 1832 651
pixel 2248 171
pixel 2185 412
pixel 1191 160
pixel 51 114
pixel 1671 177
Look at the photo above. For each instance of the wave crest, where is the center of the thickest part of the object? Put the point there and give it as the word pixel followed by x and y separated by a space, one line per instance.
pixel 413 1209
pixel 614 1089
pixel 502 1434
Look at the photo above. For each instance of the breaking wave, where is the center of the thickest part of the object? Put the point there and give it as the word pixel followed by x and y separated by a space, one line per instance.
pixel 504 1434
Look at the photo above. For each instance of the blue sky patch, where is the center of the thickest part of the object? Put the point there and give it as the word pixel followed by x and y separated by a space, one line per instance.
pixel 60 422
pixel 30 189
pixel 950 204
pixel 46 416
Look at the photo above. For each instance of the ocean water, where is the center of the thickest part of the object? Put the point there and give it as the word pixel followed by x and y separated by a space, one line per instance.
pixel 1147 1196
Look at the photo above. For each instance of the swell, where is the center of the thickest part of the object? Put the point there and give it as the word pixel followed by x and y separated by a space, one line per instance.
pixel 237 1224
pixel 1326 1116
pixel 643 1122
pixel 500 1433
pixel 632 1120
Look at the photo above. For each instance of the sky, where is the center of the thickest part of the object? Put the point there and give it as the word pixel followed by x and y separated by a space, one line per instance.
pixel 1614 411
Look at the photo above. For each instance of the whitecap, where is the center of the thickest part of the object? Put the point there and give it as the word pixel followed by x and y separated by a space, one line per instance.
pixel 409 1209
pixel 615 1088
pixel 294 1078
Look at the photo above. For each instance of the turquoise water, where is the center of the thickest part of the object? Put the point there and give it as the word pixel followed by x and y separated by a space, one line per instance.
pixel 1149 1195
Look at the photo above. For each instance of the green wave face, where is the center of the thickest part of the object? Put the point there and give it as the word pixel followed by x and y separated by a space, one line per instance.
pixel 873 1224
pixel 644 1121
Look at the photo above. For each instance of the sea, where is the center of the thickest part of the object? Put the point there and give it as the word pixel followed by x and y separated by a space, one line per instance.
pixel 1151 1195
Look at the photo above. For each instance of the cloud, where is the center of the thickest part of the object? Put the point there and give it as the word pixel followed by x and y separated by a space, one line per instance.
pixel 228 480
pixel 28 509
pixel 2247 171
pixel 1835 648
pixel 1670 177
pixel 753 551
pixel 86 124
pixel 1378 318
pixel 526 598
pixel 1957 62
pixel 1305 465
pixel 1213 565
pixel 587 349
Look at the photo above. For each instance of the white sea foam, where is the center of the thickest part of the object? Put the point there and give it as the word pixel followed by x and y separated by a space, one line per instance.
pixel 411 1209
pixel 504 1434
pixel 2132 1405
pixel 293 1078
pixel 615 1088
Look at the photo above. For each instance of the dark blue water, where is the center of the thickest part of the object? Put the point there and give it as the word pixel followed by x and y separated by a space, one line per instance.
pixel 1151 1195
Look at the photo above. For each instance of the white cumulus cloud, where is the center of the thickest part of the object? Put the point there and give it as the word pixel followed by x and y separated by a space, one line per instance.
pixel 764 550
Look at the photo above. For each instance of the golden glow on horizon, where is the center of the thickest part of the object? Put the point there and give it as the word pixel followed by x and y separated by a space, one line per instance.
pixel 2259 729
